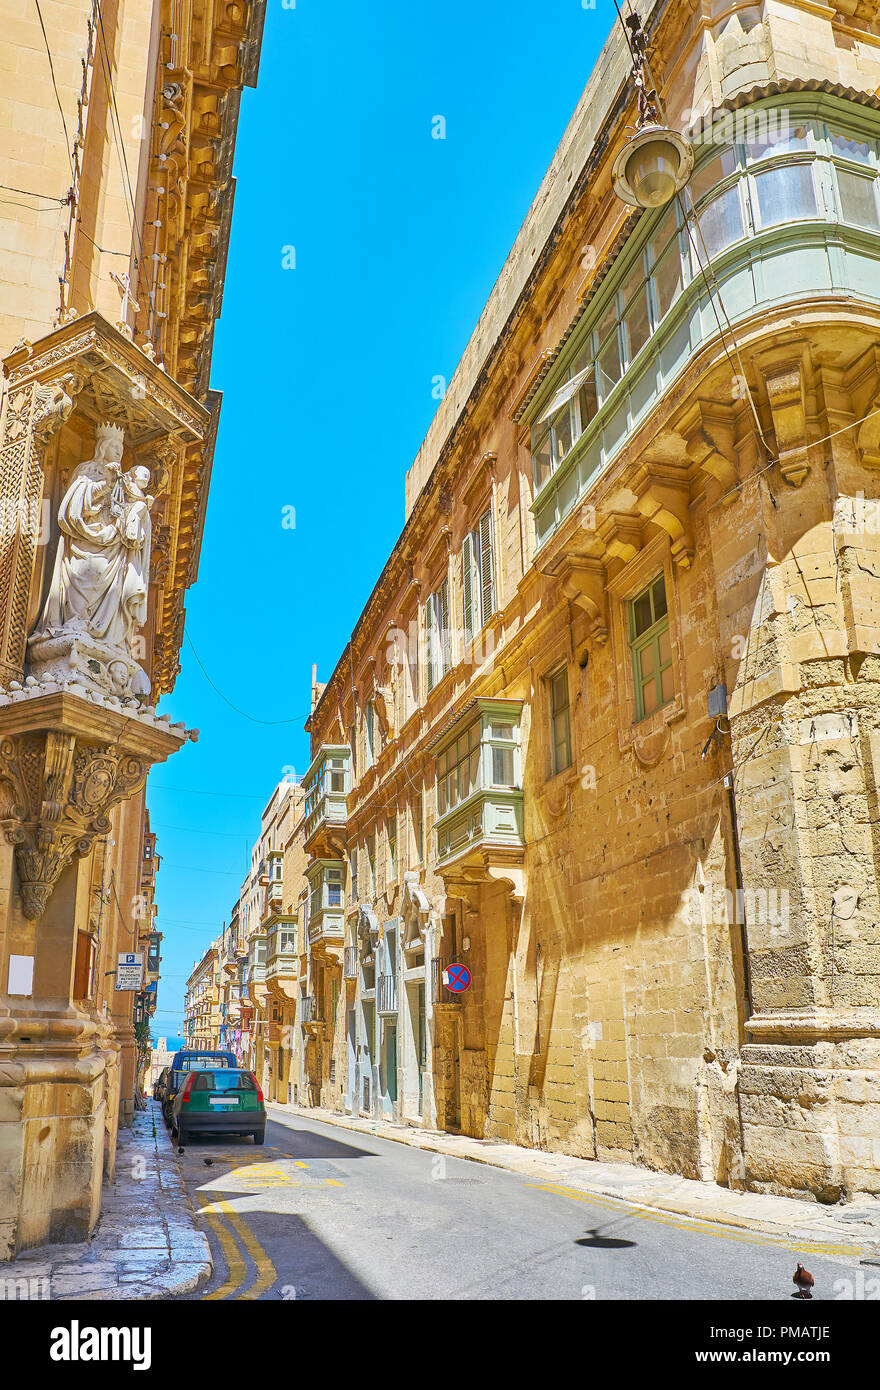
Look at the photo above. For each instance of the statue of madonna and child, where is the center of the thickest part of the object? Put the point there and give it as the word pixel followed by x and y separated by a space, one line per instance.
pixel 97 597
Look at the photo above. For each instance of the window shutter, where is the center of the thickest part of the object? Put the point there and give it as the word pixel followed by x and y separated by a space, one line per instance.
pixel 429 640
pixel 487 567
pixel 467 586
pixel 445 661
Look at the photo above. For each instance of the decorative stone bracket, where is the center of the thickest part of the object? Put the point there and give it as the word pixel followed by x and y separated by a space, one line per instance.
pixel 583 583
pixel 708 435
pixel 787 399
pixel 65 762
pixel 664 499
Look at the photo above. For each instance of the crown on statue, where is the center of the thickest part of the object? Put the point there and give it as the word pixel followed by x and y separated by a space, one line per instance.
pixel 108 431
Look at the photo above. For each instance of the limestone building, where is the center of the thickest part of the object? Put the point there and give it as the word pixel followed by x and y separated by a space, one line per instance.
pixel 606 731
pixel 117 129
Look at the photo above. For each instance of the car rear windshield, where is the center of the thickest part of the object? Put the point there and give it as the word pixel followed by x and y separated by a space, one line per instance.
pixel 202 1063
pixel 224 1081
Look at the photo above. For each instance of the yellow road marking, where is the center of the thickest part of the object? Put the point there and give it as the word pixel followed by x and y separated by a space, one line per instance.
pixel 266 1271
pixel 299 1163
pixel 236 1267
pixel 698 1225
pixel 331 1182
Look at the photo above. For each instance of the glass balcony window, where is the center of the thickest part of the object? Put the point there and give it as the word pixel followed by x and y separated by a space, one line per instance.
pixel 785 194
pixel 719 224
pixel 858 199
pixel 763 182
pixel 479 778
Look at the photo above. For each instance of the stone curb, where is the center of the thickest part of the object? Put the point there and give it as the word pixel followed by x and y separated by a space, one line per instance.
pixel 640 1188
pixel 146 1245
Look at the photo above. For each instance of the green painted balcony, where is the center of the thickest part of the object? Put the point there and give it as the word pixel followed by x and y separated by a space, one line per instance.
pixel 326 786
pixel 479 785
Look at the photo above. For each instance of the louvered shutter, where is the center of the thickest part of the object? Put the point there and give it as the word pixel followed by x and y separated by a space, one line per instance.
pixel 467 586
pixel 429 641
pixel 487 568
pixel 445 634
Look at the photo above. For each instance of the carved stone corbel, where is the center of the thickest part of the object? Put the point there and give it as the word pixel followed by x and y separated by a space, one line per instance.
pixel 621 535
pixel 786 396
pixel 583 583
pixel 664 499
pixel 708 433
pixel 868 437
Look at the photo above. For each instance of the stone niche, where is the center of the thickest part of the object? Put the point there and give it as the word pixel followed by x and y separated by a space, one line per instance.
pixel 102 475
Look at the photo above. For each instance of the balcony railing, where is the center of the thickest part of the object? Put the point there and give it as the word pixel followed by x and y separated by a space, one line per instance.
pixel 386 995
pixel 439 993
pixel 350 964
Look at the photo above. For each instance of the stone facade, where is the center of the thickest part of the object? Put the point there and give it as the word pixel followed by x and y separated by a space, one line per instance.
pixel 605 731
pixel 113 252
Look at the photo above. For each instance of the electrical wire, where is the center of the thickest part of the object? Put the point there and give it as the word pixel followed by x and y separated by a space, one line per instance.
pixel 55 85
pixel 252 718
pixel 123 162
pixel 29 193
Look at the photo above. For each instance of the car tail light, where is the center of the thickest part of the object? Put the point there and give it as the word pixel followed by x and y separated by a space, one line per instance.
pixel 257 1084
pixel 187 1087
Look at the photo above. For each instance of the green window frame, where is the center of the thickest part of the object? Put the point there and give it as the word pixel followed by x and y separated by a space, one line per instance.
pixel 560 720
pixel 807 167
pixel 650 644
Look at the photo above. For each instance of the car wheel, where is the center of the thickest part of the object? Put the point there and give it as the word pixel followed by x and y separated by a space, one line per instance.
pixel 259 1136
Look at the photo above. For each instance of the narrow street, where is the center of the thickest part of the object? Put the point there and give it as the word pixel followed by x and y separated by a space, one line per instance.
pixel 321 1213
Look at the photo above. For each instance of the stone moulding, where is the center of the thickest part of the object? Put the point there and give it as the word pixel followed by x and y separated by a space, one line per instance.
pixel 65 762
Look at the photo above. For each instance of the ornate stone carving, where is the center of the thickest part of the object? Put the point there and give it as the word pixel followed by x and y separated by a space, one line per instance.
pixel 65 762
pixel 98 592
pixel 63 790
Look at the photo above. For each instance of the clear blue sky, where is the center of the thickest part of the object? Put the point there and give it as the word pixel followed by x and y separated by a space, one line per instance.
pixel 326 369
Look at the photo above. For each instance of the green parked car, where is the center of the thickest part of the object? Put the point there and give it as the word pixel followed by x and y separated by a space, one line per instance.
pixel 219 1100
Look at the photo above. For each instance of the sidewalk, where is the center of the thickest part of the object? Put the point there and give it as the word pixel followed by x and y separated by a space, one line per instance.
pixel 853 1228
pixel 145 1245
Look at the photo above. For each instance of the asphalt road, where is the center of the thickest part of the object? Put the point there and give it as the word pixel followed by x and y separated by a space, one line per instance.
pixel 325 1213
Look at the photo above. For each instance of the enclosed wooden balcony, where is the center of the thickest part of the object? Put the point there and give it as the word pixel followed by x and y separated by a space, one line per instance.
pixel 326 786
pixel 479 787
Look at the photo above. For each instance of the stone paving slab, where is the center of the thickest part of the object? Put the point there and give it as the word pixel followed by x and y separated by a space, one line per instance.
pixel 146 1244
pixel 854 1226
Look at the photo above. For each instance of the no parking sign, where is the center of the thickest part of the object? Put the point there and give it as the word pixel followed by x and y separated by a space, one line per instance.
pixel 457 978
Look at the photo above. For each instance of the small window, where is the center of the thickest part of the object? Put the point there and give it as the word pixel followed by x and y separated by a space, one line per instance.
pixel 720 223
pixel 709 175
pixel 779 138
pixel 651 649
pixel 846 148
pixel 560 721
pixel 858 199
pixel 786 194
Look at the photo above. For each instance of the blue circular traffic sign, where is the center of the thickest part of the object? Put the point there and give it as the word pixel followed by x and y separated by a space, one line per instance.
pixel 457 978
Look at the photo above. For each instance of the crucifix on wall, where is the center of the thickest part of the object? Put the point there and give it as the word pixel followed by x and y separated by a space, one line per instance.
pixel 123 284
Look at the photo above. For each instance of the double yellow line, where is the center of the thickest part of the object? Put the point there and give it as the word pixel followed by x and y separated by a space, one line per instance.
pixel 226 1224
